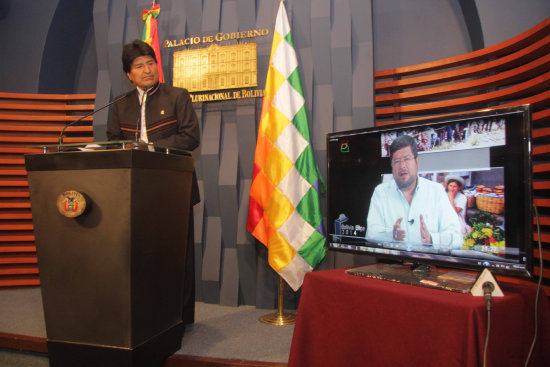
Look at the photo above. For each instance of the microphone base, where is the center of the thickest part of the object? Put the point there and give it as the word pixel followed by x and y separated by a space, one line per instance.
pixel 486 276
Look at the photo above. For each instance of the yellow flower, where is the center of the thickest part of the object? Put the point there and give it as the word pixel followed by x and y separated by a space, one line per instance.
pixel 488 231
pixel 468 243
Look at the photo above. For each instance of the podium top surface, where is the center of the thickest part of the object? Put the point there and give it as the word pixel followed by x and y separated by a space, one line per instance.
pixel 105 145
pixel 108 159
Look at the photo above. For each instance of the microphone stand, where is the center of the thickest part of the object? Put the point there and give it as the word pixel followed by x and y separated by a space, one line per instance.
pixel 87 115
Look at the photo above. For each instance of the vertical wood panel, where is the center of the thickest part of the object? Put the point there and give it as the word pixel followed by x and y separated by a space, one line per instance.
pixel 246 12
pixel 341 66
pixel 246 251
pixel 229 17
pixel 341 69
pixel 211 16
pixel 117 35
pixel 320 34
pixel 229 295
pixel 228 183
pixel 213 250
pixel 362 63
pixel 210 151
pixel 103 83
pixel 246 135
pixel 199 228
pixel 193 13
pixel 301 31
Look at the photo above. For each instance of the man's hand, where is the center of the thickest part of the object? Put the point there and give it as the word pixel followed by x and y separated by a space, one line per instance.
pixel 425 236
pixel 398 233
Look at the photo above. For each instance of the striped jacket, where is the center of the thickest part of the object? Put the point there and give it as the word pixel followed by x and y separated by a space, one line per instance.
pixel 170 118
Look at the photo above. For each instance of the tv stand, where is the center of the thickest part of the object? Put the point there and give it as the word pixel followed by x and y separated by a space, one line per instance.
pixel 421 268
pixel 422 275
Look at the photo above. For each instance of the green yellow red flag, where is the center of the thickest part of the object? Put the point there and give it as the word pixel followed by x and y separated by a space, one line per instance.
pixel 150 33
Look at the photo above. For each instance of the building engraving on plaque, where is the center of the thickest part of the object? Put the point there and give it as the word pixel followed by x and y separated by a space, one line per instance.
pixel 216 67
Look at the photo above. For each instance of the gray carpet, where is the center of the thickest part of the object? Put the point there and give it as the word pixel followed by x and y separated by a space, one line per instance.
pixel 218 332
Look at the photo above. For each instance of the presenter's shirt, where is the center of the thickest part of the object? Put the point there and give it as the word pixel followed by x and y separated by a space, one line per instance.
pixel 429 199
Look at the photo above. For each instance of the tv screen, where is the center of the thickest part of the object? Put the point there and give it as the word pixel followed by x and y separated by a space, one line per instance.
pixel 456 192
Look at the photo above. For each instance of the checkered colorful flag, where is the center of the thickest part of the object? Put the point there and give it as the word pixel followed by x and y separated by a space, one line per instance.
pixel 284 209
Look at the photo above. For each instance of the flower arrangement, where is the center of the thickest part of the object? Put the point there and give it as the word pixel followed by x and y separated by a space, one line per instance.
pixel 485 235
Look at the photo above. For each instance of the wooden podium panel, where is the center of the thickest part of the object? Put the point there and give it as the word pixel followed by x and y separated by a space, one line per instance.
pixel 112 278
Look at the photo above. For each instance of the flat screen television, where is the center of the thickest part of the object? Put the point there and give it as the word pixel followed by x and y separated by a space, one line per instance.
pixel 484 158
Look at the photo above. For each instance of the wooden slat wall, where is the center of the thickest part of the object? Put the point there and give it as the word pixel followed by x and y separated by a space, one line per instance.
pixel 26 120
pixel 513 72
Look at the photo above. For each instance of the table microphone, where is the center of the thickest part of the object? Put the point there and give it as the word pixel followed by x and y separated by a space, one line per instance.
pixel 488 289
pixel 91 113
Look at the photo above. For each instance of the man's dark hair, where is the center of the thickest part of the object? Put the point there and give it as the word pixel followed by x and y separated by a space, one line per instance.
pixel 132 51
pixel 401 142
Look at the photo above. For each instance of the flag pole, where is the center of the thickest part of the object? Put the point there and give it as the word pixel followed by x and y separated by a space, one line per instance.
pixel 279 317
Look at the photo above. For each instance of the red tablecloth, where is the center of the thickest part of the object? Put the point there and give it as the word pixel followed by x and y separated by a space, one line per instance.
pixel 346 320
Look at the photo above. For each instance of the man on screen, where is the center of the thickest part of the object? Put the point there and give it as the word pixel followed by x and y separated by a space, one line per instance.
pixel 410 208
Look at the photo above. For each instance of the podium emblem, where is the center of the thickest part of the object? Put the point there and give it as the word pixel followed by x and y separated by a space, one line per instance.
pixel 71 203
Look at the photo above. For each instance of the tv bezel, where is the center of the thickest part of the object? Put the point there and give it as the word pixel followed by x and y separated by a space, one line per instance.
pixel 526 231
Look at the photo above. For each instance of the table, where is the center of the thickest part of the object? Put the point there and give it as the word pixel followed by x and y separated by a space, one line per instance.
pixel 347 320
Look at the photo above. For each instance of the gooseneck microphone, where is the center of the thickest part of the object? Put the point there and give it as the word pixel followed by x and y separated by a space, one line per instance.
pixel 488 289
pixel 90 114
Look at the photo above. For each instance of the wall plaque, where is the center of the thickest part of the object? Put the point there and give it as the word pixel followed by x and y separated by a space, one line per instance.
pixel 216 67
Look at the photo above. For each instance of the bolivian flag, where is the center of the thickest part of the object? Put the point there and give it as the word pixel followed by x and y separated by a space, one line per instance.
pixel 284 208
pixel 150 33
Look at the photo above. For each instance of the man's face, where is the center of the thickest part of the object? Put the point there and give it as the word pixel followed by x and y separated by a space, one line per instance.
pixel 144 73
pixel 404 167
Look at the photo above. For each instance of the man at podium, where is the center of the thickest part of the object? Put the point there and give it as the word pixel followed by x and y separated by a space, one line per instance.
pixel 160 114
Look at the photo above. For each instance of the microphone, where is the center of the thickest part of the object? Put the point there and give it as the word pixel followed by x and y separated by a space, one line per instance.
pixel 488 289
pixel 90 114
pixel 411 221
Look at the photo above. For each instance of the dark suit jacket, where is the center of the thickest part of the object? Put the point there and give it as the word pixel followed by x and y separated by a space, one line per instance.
pixel 170 119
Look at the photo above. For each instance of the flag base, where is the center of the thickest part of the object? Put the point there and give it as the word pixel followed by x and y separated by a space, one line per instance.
pixel 279 317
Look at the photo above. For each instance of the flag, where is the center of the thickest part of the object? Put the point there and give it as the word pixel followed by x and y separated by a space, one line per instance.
pixel 284 210
pixel 150 33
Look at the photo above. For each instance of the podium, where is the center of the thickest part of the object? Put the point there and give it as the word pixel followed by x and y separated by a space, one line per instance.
pixel 112 277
